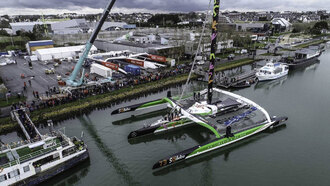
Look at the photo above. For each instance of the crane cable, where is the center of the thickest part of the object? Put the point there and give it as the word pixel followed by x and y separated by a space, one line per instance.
pixel 197 51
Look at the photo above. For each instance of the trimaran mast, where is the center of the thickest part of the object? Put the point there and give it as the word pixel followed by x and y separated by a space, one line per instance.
pixel 216 8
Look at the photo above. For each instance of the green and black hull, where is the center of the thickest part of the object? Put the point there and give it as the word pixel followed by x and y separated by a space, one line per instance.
pixel 218 143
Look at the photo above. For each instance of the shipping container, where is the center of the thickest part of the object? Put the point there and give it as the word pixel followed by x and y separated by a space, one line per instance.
pixel 3 53
pixel 157 58
pixel 132 69
pixel 34 58
pixel 101 70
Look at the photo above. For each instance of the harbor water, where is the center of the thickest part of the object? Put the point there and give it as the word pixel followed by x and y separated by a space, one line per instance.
pixel 295 154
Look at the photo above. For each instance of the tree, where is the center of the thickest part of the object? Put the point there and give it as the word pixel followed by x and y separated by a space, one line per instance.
pixel 321 25
pixel 3 33
pixel 4 24
pixel 324 17
pixel 164 19
pixel 318 27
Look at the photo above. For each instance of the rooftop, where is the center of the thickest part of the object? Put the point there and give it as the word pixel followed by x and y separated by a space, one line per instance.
pixel 24 153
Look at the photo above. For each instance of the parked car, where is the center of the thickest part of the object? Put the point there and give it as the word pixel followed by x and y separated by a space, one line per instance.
pixel 200 62
pixel 231 57
pixel 50 71
pixel 244 51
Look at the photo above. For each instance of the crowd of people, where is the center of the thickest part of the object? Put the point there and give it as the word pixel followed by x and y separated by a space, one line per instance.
pixel 53 97
pixel 27 124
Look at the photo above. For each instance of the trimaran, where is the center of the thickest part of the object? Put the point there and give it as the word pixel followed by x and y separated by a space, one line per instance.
pixel 229 116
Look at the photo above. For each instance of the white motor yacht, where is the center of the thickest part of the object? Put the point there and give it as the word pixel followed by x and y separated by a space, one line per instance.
pixel 272 71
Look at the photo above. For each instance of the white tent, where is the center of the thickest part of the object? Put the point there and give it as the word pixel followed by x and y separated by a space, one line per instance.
pixel 61 52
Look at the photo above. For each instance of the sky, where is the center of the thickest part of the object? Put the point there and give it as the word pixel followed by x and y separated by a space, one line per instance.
pixel 14 7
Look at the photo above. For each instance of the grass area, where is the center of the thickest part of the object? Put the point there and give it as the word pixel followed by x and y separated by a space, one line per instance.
pixel 234 64
pixel 309 44
pixel 185 61
pixel 223 56
pixel 259 45
pixel 15 39
pixel 4 103
pixel 7 125
pixel 272 40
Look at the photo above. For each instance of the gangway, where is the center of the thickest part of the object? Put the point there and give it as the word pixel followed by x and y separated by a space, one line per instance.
pixel 26 124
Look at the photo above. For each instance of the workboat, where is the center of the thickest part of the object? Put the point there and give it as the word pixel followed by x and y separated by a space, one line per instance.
pixel 272 71
pixel 230 117
pixel 303 58
pixel 40 157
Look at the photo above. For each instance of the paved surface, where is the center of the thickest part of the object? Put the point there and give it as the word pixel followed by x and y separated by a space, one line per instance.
pixel 11 75
pixel 40 81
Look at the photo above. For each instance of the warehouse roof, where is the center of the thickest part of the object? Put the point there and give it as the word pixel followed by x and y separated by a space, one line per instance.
pixel 63 49
pixel 40 43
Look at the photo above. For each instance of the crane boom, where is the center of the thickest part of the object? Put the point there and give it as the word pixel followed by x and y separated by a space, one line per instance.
pixel 71 81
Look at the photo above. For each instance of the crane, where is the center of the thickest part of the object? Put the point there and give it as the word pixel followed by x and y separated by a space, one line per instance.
pixel 71 81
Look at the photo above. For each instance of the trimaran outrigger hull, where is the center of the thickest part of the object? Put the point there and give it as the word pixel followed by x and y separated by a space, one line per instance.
pixel 217 143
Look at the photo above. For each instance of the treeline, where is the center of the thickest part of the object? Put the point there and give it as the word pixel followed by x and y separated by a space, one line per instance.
pixel 310 28
pixel 18 42
pixel 164 20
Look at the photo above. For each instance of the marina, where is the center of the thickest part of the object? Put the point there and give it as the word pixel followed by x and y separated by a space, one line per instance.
pixel 115 160
pixel 227 98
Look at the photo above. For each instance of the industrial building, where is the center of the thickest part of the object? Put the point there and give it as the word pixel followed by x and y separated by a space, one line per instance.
pixel 156 49
pixel 24 26
pixel 110 26
pixel 32 46
pixel 253 27
pixel 73 26
pixel 281 25
pixel 61 52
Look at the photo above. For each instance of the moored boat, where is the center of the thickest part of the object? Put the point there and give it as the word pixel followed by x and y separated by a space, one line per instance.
pixel 272 71
pixel 40 157
pixel 303 58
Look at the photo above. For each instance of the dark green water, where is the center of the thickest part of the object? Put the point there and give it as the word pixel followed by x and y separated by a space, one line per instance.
pixel 298 154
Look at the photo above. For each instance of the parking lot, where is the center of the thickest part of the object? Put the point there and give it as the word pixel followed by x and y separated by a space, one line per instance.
pixel 40 81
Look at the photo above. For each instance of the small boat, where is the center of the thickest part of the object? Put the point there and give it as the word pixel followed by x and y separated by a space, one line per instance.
pixel 272 71
pixel 303 58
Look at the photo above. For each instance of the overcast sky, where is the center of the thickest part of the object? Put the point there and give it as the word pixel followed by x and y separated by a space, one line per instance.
pixel 154 6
